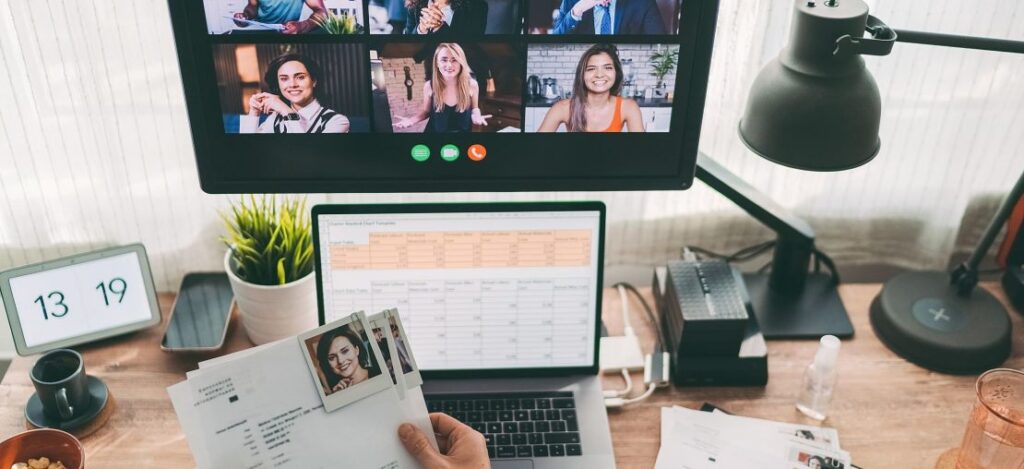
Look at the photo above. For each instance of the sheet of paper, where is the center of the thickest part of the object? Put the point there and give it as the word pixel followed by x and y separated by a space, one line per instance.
pixel 688 445
pixel 190 422
pixel 772 439
pixel 253 24
pixel 826 435
pixel 263 410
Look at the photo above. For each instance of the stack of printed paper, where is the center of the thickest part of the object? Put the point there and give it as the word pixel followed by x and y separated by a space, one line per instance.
pixel 692 439
pixel 328 398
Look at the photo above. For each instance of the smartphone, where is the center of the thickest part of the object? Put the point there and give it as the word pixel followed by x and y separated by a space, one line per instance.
pixel 200 314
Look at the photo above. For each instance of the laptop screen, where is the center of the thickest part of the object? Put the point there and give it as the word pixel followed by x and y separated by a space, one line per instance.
pixel 478 287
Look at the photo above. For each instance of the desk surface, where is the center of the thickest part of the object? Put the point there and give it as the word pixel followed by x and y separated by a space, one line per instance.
pixel 889 413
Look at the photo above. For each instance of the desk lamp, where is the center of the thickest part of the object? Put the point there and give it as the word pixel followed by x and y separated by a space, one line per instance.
pixel 816 107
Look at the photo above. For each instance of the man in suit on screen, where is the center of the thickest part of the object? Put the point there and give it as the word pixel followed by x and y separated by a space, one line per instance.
pixel 609 17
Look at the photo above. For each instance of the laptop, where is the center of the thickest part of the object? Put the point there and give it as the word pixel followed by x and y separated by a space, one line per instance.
pixel 502 306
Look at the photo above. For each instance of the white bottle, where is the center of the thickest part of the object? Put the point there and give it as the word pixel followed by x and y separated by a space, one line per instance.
pixel 820 380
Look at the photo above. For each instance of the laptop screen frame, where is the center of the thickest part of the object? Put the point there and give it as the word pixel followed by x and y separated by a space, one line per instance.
pixel 478 207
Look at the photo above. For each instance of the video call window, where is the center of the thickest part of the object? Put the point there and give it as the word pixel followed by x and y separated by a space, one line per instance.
pixel 268 17
pixel 436 78
pixel 447 87
pixel 292 88
pixel 445 17
pixel 600 87
pixel 603 17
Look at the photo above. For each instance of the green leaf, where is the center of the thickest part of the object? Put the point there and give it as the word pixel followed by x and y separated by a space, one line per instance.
pixel 281 279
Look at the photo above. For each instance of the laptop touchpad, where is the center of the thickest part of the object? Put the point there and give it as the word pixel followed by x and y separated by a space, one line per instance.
pixel 512 464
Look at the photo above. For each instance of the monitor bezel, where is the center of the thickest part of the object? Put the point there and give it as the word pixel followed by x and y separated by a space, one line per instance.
pixel 480 207
pixel 705 11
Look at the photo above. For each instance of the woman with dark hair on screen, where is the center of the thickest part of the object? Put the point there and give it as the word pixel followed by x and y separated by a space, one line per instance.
pixel 595 105
pixel 451 97
pixel 462 17
pixel 344 360
pixel 290 102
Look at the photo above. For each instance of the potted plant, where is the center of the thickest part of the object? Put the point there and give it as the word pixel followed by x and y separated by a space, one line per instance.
pixel 663 62
pixel 270 266
pixel 338 24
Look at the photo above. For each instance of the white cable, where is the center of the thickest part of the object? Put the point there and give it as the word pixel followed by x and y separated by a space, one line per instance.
pixel 626 322
pixel 622 392
pixel 619 402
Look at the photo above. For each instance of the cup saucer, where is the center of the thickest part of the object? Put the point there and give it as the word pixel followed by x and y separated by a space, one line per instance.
pixel 35 415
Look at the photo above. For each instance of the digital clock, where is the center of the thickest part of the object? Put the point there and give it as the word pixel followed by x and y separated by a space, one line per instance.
pixel 78 299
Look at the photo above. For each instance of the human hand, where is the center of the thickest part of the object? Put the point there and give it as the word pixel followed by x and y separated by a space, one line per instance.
pixel 297 27
pixel 270 102
pixel 431 19
pixel 405 122
pixel 480 119
pixel 460 445
pixel 584 6
pixel 256 104
pixel 240 16
pixel 344 383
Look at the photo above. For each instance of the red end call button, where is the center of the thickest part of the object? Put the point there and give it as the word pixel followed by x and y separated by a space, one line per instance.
pixel 476 152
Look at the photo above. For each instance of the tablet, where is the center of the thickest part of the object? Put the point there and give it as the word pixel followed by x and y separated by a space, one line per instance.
pixel 78 299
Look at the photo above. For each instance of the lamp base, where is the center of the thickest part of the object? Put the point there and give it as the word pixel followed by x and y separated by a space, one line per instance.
pixel 921 318
pixel 815 312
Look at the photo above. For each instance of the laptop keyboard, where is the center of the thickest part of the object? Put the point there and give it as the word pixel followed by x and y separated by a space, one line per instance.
pixel 517 425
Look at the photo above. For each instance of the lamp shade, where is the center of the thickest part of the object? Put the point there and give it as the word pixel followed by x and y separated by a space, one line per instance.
pixel 811 108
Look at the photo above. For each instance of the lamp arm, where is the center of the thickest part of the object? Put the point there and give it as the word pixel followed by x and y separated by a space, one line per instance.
pixel 965 276
pixel 881 39
pixel 751 200
pixel 964 42
pixel 795 244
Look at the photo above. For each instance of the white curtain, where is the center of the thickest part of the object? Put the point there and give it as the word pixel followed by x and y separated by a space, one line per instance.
pixel 95 148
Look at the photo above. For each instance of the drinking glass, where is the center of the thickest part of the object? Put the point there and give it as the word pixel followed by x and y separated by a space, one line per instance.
pixel 995 430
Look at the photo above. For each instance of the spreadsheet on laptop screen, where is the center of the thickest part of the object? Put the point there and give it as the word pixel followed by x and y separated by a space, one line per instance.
pixel 475 290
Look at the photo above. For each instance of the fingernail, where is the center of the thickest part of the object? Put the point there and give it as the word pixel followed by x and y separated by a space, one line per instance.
pixel 405 431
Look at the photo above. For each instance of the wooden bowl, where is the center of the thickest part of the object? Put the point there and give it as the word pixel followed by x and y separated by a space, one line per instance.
pixel 43 442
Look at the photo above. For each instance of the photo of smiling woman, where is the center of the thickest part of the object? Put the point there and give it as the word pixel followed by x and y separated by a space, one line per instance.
pixel 292 88
pixel 451 98
pixel 595 105
pixel 344 359
pixel 290 103
pixel 600 87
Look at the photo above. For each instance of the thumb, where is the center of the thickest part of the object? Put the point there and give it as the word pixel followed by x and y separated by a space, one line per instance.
pixel 416 444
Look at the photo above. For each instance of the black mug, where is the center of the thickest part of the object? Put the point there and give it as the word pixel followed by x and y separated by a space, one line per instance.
pixel 60 381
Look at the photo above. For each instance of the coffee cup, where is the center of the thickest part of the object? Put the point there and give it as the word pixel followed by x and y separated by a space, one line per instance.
pixel 60 382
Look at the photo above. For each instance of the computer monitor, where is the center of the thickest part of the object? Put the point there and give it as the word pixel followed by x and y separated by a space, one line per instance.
pixel 444 95
pixel 482 288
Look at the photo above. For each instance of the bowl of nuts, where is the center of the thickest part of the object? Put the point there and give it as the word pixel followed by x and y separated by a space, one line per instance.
pixel 43 448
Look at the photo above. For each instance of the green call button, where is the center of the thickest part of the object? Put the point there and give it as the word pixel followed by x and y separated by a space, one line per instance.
pixel 420 153
pixel 450 152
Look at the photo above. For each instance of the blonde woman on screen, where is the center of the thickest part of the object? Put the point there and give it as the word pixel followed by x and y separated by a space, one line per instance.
pixel 595 105
pixel 451 98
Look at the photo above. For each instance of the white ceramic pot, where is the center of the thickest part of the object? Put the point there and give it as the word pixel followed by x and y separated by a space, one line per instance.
pixel 273 312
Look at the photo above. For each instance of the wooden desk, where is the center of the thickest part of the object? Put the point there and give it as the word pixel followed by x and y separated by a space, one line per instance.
pixel 889 413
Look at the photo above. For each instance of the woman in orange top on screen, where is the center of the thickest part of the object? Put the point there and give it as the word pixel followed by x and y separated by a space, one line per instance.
pixel 595 105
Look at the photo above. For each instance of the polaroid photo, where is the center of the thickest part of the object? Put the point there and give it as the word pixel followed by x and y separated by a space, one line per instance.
pixel 344 361
pixel 405 358
pixel 814 436
pixel 386 343
pixel 817 460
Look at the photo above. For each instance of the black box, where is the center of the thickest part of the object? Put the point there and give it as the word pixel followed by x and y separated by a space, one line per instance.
pixel 747 366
